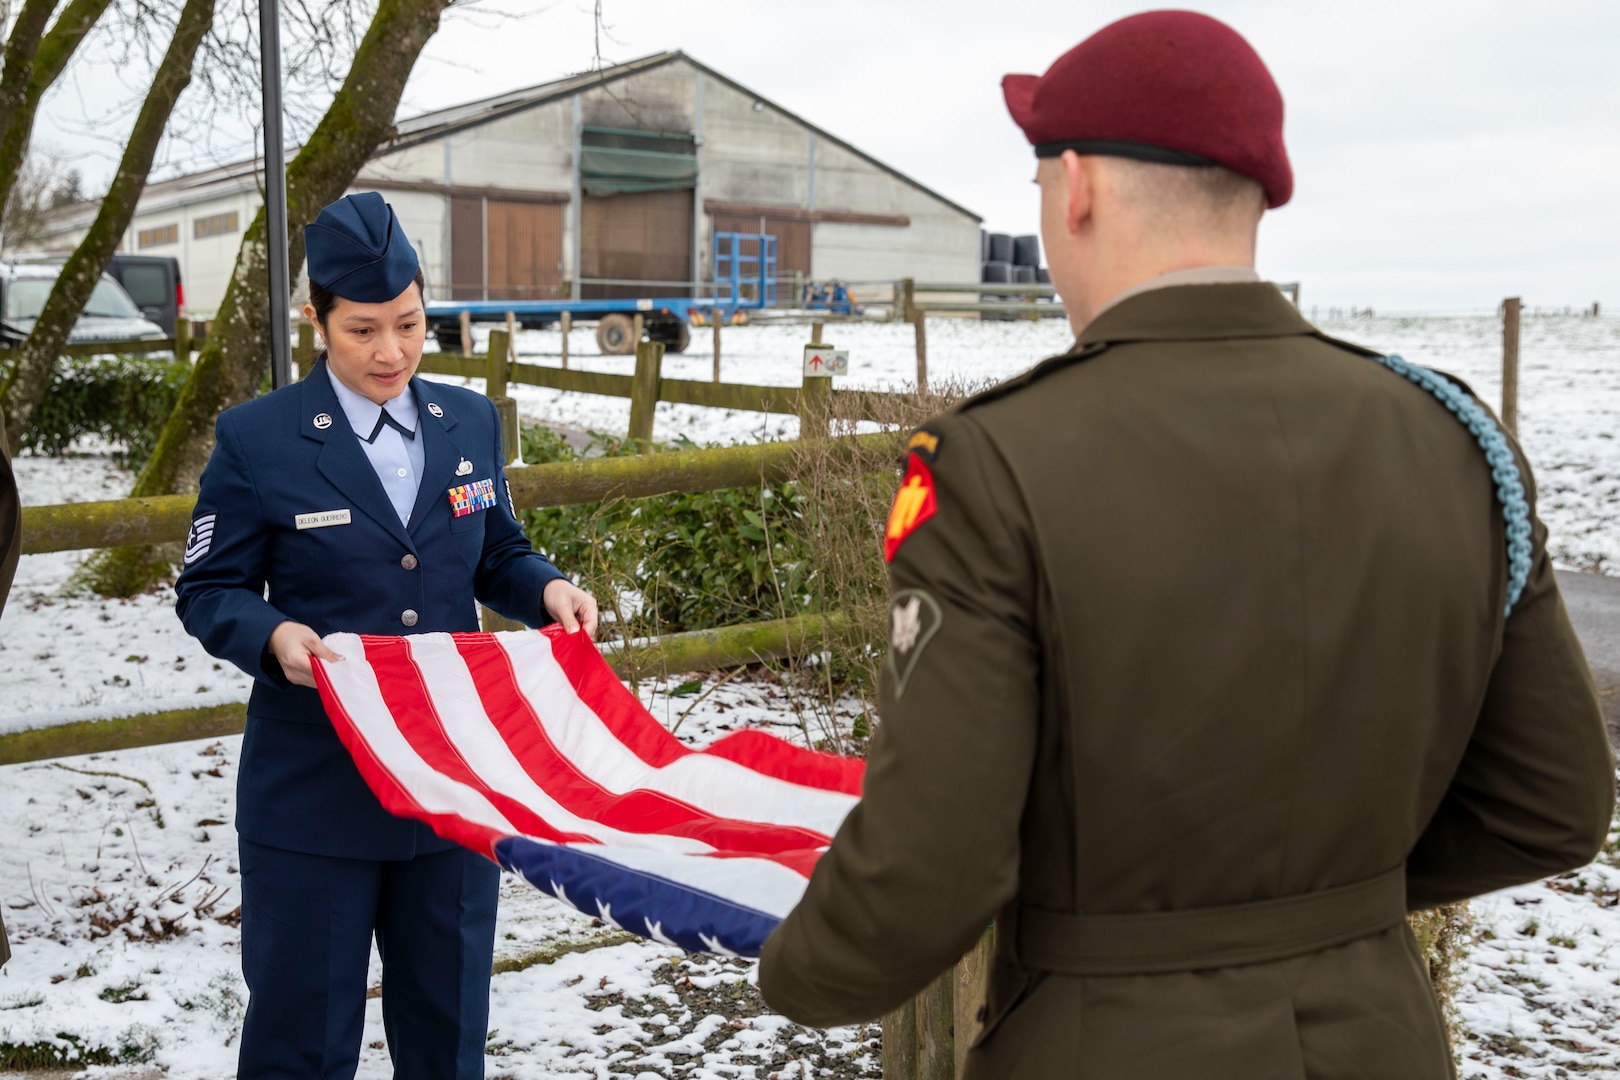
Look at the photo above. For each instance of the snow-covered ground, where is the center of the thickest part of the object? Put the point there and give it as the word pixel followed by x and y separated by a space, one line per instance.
pixel 97 878
pixel 1569 389
pixel 118 881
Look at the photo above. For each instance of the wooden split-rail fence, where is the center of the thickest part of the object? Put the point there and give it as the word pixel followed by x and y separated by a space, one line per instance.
pixel 928 1038
pixel 920 1040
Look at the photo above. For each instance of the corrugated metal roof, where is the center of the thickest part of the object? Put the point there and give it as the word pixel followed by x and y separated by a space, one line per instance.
pixel 428 126
pixel 441 122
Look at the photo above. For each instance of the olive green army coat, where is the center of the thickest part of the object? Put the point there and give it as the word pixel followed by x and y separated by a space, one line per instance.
pixel 1200 679
pixel 10 549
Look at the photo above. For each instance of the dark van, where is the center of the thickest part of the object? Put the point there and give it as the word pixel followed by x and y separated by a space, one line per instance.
pixel 153 282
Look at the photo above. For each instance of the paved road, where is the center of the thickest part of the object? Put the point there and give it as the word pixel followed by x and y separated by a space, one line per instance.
pixel 1594 608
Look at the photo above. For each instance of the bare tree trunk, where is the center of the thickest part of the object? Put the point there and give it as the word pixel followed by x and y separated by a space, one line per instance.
pixel 21 49
pixel 31 374
pixel 34 60
pixel 231 366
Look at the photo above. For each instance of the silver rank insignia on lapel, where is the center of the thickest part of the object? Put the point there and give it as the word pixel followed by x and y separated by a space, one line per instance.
pixel 913 621
pixel 433 407
pixel 323 420
pixel 465 468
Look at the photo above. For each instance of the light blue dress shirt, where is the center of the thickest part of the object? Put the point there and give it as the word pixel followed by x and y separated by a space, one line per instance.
pixel 398 461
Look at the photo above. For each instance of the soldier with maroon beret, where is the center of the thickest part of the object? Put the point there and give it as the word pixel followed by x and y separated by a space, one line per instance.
pixel 1218 645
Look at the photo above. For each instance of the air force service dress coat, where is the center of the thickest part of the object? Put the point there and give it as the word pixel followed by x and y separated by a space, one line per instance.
pixel 10 550
pixel 1206 668
pixel 292 523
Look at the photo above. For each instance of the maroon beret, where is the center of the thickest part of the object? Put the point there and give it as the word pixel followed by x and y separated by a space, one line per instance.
pixel 1174 87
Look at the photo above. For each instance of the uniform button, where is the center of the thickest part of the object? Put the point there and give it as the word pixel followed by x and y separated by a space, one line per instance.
pixel 403 472
pixel 408 562
pixel 408 617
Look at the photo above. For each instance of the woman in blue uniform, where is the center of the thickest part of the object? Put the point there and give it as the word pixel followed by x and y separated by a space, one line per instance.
pixel 360 499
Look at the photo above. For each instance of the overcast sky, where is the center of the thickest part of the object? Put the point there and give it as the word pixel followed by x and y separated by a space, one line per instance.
pixel 1446 153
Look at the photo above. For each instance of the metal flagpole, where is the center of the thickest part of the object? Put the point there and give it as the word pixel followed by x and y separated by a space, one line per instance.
pixel 275 193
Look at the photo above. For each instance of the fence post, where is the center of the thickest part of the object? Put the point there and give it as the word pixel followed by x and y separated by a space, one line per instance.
pixel 815 407
pixel 644 392
pixel 900 1043
pixel 182 339
pixel 640 324
pixel 908 297
pixel 466 333
pixel 1510 364
pixel 928 1037
pixel 495 376
pixel 919 320
pixel 717 346
pixel 972 981
pixel 511 336
pixel 304 357
pixel 567 325
pixel 815 333
pixel 936 1037
pixel 495 372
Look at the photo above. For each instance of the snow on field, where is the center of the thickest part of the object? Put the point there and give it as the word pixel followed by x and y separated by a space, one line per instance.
pixel 123 893
pixel 118 881
pixel 1569 389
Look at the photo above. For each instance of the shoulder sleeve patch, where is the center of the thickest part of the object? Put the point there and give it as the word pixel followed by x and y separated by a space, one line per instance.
pixel 924 442
pixel 914 504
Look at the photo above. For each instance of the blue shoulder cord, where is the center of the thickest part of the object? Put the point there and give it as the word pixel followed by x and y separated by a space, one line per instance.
pixel 1504 469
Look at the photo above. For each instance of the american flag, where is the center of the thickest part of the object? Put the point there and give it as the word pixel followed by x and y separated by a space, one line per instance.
pixel 527 748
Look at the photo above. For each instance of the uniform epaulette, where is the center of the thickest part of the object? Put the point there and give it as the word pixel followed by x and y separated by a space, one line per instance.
pixel 1033 375
pixel 1374 354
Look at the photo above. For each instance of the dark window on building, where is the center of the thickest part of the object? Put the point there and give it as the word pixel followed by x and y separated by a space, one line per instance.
pixel 215 225
pixel 163 234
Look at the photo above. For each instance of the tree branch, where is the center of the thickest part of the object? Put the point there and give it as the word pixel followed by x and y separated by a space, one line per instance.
pixel 49 57
pixel 31 374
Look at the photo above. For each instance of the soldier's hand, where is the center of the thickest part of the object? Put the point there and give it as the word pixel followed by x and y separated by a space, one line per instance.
pixel 571 606
pixel 293 644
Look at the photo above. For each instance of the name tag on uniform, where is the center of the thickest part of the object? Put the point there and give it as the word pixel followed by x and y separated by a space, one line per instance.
pixel 321 519
pixel 470 498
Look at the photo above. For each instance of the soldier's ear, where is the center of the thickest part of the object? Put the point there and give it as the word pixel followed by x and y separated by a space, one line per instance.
pixel 1081 190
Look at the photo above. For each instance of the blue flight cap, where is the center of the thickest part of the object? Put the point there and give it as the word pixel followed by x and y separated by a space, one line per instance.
pixel 357 250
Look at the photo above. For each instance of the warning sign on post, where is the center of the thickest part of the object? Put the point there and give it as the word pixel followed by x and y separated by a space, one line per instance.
pixel 825 360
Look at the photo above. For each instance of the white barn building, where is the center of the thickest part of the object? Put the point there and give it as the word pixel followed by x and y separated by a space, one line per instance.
pixel 610 183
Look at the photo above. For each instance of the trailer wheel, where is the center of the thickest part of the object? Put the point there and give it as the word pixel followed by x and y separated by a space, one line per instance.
pixel 674 333
pixel 616 335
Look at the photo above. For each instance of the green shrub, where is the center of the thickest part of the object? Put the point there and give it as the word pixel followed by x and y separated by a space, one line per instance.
pixel 123 399
pixel 674 562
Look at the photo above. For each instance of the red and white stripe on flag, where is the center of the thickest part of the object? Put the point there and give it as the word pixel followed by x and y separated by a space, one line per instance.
pixel 526 747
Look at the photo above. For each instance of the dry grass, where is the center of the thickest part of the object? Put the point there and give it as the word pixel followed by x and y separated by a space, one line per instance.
pixel 846 491
pixel 1443 934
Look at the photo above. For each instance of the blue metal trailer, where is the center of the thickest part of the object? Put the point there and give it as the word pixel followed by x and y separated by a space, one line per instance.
pixel 744 279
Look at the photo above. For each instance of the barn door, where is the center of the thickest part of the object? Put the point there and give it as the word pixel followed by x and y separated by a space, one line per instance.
pixel 466 247
pixel 525 250
pixel 636 237
pixel 504 250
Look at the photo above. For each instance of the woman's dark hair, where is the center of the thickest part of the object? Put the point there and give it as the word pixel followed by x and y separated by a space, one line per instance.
pixel 323 299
